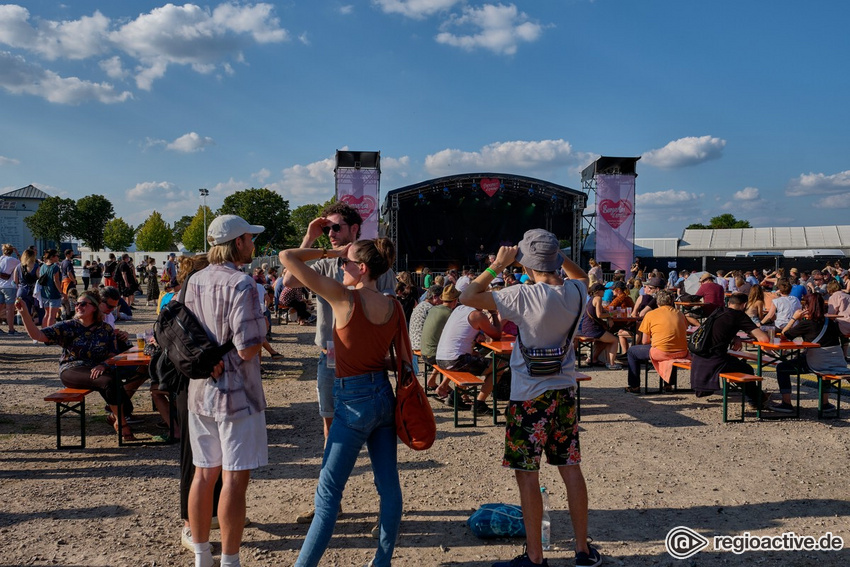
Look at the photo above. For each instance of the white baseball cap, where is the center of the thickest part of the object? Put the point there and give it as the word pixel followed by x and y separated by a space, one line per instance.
pixel 229 227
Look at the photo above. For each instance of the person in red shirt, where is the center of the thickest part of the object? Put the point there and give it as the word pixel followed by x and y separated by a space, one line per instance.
pixel 712 294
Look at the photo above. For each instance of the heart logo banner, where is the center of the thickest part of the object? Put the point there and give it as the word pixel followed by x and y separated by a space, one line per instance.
pixel 615 233
pixel 365 204
pixel 490 186
pixel 615 214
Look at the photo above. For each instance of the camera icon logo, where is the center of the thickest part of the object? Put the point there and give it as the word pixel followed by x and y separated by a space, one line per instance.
pixel 683 542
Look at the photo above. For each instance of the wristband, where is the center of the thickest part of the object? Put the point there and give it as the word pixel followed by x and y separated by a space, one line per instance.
pixel 324 253
pixel 492 272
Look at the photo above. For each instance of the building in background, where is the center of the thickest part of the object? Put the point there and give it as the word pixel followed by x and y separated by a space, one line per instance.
pixel 15 206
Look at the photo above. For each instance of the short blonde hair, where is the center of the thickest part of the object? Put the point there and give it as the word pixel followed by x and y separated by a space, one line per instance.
pixel 221 253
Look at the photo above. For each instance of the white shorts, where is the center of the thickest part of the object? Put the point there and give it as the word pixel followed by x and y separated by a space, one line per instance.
pixel 233 445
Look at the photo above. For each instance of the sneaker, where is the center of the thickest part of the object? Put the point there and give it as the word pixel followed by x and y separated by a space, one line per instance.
pixel 521 561
pixel 828 408
pixel 782 407
pixel 590 559
pixel 13 332
pixel 614 366
pixel 481 408
pixel 764 398
pixel 186 538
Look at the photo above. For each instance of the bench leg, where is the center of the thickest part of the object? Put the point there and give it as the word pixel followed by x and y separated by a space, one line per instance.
pixel 78 408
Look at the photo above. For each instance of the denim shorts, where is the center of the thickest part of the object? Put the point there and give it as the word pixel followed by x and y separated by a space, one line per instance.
pixel 547 424
pixel 7 294
pixel 54 303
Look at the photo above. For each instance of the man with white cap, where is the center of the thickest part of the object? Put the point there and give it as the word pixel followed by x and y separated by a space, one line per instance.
pixel 541 416
pixel 227 426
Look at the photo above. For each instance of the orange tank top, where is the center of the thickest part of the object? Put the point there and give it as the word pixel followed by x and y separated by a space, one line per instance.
pixel 361 346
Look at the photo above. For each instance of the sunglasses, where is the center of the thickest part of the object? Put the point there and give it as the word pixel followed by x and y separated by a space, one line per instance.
pixel 334 227
pixel 345 261
pixel 84 303
pixel 108 306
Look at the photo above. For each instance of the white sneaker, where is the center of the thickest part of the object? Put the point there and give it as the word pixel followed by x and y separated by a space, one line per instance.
pixel 186 539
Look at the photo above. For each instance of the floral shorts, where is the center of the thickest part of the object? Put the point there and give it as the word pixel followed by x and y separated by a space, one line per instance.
pixel 546 424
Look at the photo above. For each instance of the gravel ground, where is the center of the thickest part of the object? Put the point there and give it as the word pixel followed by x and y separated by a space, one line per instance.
pixel 651 463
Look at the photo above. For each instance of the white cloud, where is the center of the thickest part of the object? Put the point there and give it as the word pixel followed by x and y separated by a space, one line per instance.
pixel 77 39
pixel 841 201
pixel 155 191
pixel 416 9
pixel 346 9
pixel 498 28
pixel 113 68
pixel 818 184
pixel 184 35
pixel 746 194
pixel 17 76
pixel 8 161
pixel 685 152
pixel 504 156
pixel 304 38
pixel 191 142
pixel 668 198
pixel 309 183
pixel 262 175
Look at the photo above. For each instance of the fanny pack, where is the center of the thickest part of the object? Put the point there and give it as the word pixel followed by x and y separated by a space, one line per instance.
pixel 546 361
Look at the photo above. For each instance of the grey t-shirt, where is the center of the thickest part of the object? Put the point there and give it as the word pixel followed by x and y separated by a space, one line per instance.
pixel 332 268
pixel 544 314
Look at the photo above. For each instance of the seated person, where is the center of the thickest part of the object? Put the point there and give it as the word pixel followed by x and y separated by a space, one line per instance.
pixel 456 349
pixel 812 325
pixel 646 302
pixel 755 305
pixel 839 304
pixel 783 307
pixel 293 298
pixel 87 342
pixel 593 325
pixel 664 339
pixel 432 330
pixel 622 300
pixel 712 294
pixel 705 370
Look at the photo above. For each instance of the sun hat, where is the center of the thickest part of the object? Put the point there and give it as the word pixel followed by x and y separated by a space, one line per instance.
pixel 228 227
pixel 539 250
pixel 594 288
pixel 655 282
pixel 449 293
pixel 706 276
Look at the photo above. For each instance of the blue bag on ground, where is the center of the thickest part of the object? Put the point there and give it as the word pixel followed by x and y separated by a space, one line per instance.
pixel 497 520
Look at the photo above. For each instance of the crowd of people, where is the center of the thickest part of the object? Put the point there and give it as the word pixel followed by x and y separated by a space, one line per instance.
pixel 362 308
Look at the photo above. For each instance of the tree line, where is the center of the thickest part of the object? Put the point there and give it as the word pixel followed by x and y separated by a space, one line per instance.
pixel 92 220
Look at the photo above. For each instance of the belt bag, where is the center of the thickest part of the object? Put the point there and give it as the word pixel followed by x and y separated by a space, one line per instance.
pixel 543 361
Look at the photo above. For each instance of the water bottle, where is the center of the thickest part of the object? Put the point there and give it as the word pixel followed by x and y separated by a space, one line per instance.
pixel 546 524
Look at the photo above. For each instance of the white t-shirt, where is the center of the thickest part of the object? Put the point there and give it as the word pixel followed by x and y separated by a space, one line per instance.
pixel 7 266
pixel 458 336
pixel 786 306
pixel 544 314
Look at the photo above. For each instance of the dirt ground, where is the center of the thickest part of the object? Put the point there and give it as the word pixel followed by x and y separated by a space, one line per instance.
pixel 651 462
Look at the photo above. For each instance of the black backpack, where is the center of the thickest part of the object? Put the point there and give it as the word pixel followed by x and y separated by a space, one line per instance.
pixel 184 342
pixel 698 342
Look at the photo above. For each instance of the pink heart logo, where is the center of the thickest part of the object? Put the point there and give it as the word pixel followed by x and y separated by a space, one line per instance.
pixel 490 186
pixel 615 214
pixel 365 204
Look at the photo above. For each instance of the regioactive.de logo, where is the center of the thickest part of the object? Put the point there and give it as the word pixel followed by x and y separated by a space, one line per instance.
pixel 683 542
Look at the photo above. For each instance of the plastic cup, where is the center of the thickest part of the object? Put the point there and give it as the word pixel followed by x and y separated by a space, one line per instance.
pixel 331 355
pixel 140 341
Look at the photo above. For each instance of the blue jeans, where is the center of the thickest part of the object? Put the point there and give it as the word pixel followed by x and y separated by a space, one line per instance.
pixel 325 378
pixel 364 412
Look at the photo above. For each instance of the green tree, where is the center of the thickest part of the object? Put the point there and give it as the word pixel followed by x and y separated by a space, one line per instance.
pixel 179 227
pixel 300 219
pixel 93 212
pixel 726 220
pixel 266 208
pixel 52 220
pixel 117 234
pixel 154 235
pixel 194 236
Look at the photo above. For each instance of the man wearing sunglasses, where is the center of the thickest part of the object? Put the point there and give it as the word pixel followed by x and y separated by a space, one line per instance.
pixel 341 223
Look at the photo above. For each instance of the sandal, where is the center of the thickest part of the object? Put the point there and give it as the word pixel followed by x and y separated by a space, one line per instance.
pixel 635 390
pixel 126 432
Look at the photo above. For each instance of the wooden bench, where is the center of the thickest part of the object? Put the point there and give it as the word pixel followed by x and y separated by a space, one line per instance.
pixel 432 392
pixel 752 357
pixel 830 378
pixel 465 380
pixel 70 400
pixel 581 343
pixel 737 380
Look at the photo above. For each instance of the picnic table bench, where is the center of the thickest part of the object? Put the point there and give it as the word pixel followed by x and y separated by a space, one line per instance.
pixel 70 400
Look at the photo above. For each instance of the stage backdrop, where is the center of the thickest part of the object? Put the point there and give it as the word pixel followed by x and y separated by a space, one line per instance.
pixel 360 189
pixel 615 220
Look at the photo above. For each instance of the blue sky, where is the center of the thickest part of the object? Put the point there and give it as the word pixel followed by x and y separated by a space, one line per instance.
pixel 734 107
